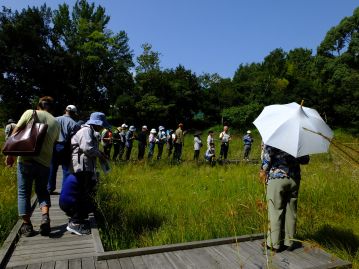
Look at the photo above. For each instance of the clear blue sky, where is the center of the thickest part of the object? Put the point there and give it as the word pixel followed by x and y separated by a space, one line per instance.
pixel 215 36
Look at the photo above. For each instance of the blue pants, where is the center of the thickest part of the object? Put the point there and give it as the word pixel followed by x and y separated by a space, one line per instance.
pixel 27 173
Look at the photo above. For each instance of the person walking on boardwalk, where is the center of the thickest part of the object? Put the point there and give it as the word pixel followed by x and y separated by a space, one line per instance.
pixel 225 138
pixel 62 150
pixel 142 142
pixel 247 140
pixel 282 174
pixel 178 143
pixel 130 136
pixel 78 187
pixel 161 141
pixel 152 140
pixel 9 128
pixel 197 144
pixel 36 169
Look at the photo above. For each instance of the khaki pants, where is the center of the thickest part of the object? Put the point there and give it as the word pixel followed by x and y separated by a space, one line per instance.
pixel 282 196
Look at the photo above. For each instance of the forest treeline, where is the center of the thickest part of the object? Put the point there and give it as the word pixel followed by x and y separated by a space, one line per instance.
pixel 71 54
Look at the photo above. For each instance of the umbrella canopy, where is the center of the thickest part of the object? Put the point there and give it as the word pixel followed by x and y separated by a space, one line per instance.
pixel 294 129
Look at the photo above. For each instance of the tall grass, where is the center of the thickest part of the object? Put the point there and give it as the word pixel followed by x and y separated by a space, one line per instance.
pixel 153 203
pixel 8 196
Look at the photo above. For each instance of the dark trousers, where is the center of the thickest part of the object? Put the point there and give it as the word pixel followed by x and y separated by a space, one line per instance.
pixel 247 150
pixel 160 150
pixel 196 155
pixel 118 150
pixel 60 156
pixel 128 152
pixel 107 150
pixel 141 150
pixel 178 152
pixel 224 151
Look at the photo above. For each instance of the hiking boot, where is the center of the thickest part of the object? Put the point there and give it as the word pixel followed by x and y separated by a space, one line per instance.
pixel 45 225
pixel 27 230
pixel 78 228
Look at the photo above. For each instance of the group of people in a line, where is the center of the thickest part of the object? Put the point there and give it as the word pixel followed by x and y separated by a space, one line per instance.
pixel 122 138
pixel 76 147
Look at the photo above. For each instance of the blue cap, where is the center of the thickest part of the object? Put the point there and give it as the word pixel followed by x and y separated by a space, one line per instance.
pixel 98 118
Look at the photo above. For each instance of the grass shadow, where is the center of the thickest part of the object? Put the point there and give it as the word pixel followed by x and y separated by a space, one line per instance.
pixel 340 238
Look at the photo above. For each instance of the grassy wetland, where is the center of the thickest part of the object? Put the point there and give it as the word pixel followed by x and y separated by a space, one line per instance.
pixel 153 202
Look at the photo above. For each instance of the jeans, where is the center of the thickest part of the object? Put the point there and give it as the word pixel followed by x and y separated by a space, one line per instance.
pixel 151 150
pixel 27 173
pixel 59 156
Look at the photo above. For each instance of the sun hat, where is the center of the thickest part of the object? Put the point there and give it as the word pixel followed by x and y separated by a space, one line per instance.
pixel 161 128
pixel 249 131
pixel 132 128
pixel 11 121
pixel 144 127
pixel 124 125
pixel 153 131
pixel 71 108
pixel 98 118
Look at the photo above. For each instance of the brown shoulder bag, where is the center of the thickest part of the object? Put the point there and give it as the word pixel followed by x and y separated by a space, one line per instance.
pixel 27 141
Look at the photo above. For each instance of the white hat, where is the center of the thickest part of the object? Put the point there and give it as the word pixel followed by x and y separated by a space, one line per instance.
pixel 153 131
pixel 161 128
pixel 249 131
pixel 71 108
pixel 144 127
pixel 132 128
pixel 124 125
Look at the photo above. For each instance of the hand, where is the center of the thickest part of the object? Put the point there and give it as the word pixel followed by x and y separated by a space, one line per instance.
pixel 262 176
pixel 9 160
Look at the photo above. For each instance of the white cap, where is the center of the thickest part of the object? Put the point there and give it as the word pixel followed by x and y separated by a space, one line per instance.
pixel 132 128
pixel 71 108
pixel 144 127
pixel 161 128
pixel 124 125
pixel 249 131
pixel 153 131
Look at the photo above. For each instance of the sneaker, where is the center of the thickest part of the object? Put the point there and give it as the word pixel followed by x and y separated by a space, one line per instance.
pixel 45 225
pixel 78 228
pixel 27 230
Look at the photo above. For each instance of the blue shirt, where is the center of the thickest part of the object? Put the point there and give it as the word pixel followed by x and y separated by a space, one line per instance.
pixel 67 127
pixel 247 140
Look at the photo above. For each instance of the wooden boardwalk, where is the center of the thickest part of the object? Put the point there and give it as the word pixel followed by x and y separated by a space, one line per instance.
pixel 63 250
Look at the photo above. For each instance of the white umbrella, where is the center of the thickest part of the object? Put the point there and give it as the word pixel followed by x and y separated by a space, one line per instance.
pixel 294 129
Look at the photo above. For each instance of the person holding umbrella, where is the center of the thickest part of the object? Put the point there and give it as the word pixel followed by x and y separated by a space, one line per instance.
pixel 290 133
pixel 282 173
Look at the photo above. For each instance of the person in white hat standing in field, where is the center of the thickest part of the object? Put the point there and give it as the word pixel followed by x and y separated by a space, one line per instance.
pixel 152 142
pixel 247 140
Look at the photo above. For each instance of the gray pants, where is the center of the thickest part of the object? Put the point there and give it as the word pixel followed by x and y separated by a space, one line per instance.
pixel 282 196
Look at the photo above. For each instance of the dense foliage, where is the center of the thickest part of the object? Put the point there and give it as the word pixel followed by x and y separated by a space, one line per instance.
pixel 72 55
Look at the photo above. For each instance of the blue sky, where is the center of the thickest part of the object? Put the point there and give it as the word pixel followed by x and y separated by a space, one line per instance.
pixel 212 36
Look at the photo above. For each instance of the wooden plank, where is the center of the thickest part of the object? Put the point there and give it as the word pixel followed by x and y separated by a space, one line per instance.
pixel 101 264
pixel 62 264
pixel 24 242
pixel 223 260
pixel 126 263
pixel 138 262
pixel 201 258
pixel 48 265
pixel 17 267
pixel 174 247
pixel 156 261
pixel 96 235
pixel 53 246
pixel 20 260
pixel 88 263
pixel 179 258
pixel 34 266
pixel 75 264
pixel 236 254
pixel 114 264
